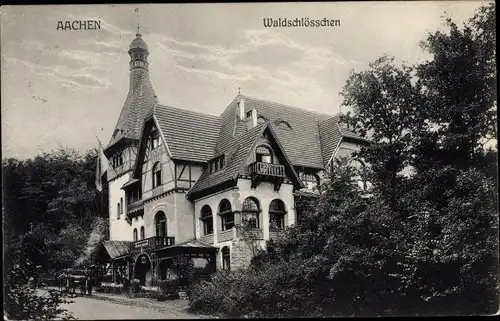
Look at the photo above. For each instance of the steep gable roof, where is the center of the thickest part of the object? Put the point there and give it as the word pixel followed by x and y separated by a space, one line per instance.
pixel 301 142
pixel 236 158
pixel 330 137
pixel 139 101
pixel 189 135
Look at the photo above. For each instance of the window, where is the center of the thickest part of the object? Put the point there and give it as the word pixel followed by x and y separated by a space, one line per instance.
pixel 226 214
pixel 117 159
pixel 135 234
pixel 263 155
pixel 359 168
pixel 156 174
pixel 143 236
pixel 155 138
pixel 276 215
pixel 118 211
pixel 206 217
pixel 250 212
pixel 161 224
pixel 121 205
pixel 284 124
pixel 226 258
pixel 311 180
pixel 216 164
pixel 261 119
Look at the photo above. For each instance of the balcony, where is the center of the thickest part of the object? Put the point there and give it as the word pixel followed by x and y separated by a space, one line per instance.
pixel 267 172
pixel 152 243
pixel 267 169
pixel 135 206
pixel 134 210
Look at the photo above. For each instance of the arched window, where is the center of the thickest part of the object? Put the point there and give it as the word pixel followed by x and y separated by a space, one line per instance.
pixel 207 219
pixel 135 234
pixel 359 168
pixel 118 212
pixel 311 180
pixel 226 258
pixel 226 214
pixel 156 174
pixel 277 214
pixel 250 212
pixel 121 205
pixel 161 224
pixel 263 154
pixel 143 236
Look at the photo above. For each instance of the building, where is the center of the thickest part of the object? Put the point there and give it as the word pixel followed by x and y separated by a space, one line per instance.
pixel 183 182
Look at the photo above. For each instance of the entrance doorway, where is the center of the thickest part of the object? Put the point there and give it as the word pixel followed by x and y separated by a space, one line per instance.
pixel 143 269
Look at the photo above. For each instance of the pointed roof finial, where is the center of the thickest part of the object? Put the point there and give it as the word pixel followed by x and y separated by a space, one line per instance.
pixel 239 90
pixel 138 34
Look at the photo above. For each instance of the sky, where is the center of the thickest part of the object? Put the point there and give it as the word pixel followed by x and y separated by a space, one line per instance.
pixel 62 88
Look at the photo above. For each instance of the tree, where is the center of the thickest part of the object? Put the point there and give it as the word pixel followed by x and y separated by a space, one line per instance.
pixel 434 118
pixel 51 215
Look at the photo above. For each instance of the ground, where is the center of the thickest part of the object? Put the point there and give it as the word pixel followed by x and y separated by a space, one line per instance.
pixel 91 309
pixel 107 306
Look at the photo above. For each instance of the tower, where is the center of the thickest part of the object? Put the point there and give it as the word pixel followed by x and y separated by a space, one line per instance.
pixel 122 147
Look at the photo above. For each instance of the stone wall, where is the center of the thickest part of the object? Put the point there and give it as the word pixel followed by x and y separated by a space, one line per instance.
pixel 241 253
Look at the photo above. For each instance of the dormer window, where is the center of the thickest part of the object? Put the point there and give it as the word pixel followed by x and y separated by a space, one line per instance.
pixel 263 154
pixel 216 164
pixel 284 124
pixel 261 119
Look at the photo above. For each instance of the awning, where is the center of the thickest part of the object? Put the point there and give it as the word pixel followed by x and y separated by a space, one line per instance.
pixel 117 249
pixel 131 182
pixel 193 243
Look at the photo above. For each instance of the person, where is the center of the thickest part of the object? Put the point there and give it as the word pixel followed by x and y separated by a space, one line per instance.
pixel 89 284
pixel 68 283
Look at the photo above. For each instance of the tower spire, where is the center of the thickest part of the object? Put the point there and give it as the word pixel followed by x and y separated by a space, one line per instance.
pixel 138 34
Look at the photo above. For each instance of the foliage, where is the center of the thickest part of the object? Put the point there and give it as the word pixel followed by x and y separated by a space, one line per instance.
pixel 135 285
pixel 22 301
pixel 429 124
pixel 50 212
pixel 50 206
pixel 424 238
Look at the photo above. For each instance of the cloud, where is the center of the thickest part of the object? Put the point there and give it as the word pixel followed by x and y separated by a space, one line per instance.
pixel 63 74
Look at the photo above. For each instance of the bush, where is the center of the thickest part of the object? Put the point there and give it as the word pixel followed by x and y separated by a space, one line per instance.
pixel 22 301
pixel 135 285
pixel 280 289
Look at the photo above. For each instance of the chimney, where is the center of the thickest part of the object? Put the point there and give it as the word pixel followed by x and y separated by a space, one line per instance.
pixel 241 105
pixel 251 119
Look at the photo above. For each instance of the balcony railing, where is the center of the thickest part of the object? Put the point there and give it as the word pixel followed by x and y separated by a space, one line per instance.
pixel 267 169
pixel 135 206
pixel 153 242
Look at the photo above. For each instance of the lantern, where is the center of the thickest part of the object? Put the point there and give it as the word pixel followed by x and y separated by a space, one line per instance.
pixel 143 260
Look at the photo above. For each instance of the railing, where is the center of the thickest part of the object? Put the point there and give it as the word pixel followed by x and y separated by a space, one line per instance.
pixel 135 206
pixel 153 242
pixel 267 169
